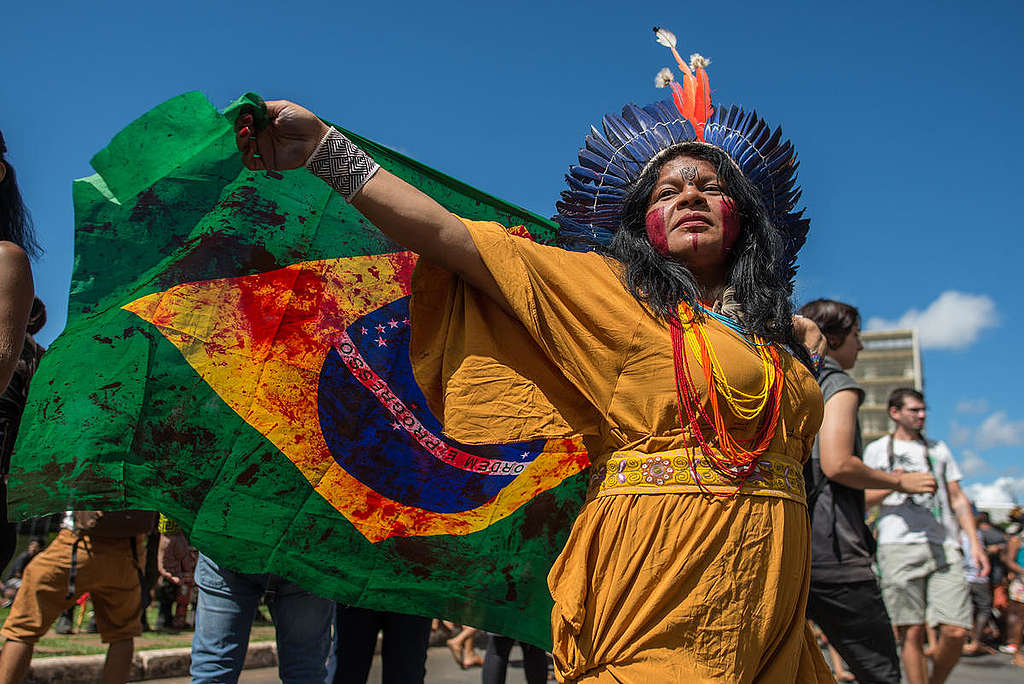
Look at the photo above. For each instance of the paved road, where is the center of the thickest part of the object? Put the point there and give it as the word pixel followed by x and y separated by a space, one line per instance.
pixel 990 669
pixel 441 669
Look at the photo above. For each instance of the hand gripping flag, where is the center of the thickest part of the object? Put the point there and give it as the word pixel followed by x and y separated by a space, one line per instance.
pixel 237 357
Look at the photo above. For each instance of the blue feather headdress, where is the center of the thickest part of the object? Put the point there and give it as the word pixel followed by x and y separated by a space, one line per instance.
pixel 612 160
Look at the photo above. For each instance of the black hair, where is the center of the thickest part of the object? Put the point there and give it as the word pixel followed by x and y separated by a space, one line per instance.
pixel 756 269
pixel 836 319
pixel 15 221
pixel 36 317
pixel 898 396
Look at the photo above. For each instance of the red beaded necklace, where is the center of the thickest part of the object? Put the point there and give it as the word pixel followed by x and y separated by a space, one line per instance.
pixel 731 458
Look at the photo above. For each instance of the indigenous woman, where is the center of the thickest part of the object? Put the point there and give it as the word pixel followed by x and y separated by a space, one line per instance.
pixel 666 340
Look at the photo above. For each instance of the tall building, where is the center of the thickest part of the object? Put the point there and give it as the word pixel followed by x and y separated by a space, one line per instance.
pixel 890 359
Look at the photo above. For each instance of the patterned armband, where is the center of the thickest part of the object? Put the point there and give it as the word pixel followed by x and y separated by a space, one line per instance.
pixel 339 163
pixel 167 526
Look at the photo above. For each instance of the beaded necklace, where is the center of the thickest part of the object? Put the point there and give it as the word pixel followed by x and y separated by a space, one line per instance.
pixel 733 458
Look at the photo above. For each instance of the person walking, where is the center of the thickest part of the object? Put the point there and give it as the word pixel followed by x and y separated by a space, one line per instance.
pixel 228 602
pixel 1013 557
pixel 844 600
pixel 923 580
pixel 99 557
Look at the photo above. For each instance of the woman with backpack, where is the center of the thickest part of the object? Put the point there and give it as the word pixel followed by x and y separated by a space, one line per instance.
pixel 845 600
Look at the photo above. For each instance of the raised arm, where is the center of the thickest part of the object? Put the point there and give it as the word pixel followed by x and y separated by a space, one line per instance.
pixel 400 211
pixel 835 442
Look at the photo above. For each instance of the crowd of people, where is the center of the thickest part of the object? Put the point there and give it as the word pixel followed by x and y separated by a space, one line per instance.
pixel 927 572
pixel 715 417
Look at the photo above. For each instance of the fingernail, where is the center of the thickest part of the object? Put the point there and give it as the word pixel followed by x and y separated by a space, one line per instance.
pixel 244 132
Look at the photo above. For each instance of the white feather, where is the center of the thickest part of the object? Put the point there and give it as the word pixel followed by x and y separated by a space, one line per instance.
pixel 665 37
pixel 699 61
pixel 663 78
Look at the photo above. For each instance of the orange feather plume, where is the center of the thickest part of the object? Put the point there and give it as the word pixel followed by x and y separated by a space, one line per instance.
pixel 693 98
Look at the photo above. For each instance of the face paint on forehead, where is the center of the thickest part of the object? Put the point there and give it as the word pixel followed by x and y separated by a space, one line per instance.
pixel 688 172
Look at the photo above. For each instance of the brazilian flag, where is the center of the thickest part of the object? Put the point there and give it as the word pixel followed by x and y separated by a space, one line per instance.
pixel 237 357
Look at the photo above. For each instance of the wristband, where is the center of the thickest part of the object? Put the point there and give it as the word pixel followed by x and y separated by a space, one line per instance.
pixel 339 163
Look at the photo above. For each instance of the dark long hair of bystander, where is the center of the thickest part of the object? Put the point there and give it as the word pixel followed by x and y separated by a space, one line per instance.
pixel 15 221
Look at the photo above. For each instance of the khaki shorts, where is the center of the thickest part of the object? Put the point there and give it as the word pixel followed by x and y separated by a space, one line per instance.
pixel 924 584
pixel 106 569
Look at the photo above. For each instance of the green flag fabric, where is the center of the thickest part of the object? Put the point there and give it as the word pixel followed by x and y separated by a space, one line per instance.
pixel 236 357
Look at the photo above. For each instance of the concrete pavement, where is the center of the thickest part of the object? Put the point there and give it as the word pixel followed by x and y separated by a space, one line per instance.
pixel 441 669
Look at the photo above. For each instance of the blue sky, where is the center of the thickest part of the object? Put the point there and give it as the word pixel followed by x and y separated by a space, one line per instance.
pixel 904 115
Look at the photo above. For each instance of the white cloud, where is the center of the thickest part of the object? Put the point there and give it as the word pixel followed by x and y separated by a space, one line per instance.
pixel 997 430
pixel 959 434
pixel 953 321
pixel 971 463
pixel 1005 490
pixel 972 406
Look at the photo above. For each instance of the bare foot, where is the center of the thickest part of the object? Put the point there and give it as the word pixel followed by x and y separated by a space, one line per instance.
pixel 453 646
pixel 976 649
pixel 1018 660
pixel 469 655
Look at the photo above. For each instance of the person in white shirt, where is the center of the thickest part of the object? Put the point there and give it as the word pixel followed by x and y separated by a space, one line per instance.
pixel 918 551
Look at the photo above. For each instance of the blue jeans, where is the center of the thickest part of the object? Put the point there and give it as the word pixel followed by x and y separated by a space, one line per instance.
pixel 227 603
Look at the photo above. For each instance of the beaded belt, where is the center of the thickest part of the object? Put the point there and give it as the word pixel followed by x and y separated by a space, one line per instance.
pixel 668 472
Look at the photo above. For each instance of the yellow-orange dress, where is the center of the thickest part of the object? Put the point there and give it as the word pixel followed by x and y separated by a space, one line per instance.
pixel 657 582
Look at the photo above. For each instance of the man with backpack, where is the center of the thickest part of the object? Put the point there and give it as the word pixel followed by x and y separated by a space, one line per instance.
pixel 919 557
pixel 99 556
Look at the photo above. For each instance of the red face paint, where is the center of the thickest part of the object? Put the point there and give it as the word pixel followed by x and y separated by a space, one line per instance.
pixel 693 241
pixel 655 223
pixel 730 224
